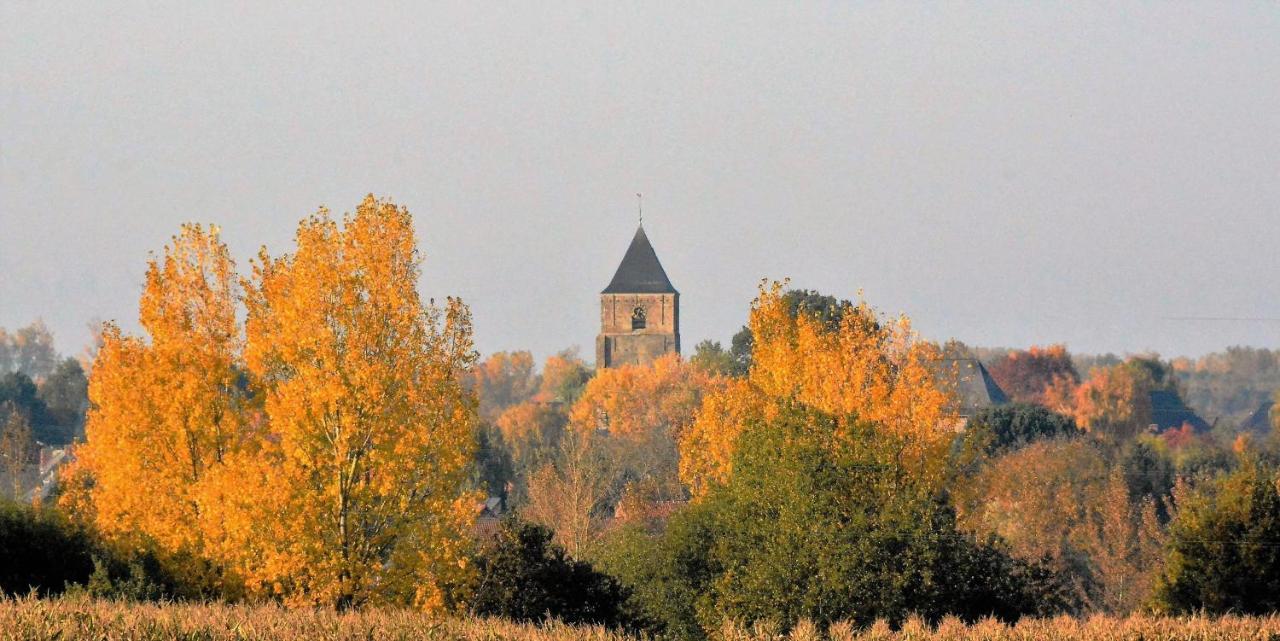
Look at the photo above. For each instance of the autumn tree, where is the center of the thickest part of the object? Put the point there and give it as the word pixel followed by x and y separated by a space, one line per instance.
pixel 1060 500
pixel 569 494
pixel 641 412
pixel 372 430
pixel 502 380
pixel 531 432
pixel 166 412
pixel 1229 383
pixel 846 361
pixel 564 378
pixel 1025 375
pixel 633 400
pixel 1113 403
pixel 28 350
pixel 18 451
pixel 826 309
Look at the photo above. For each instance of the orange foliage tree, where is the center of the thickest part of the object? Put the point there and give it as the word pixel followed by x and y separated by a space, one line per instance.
pixel 1060 501
pixel 502 380
pixel 1114 402
pixel 634 401
pixel 166 413
pixel 318 456
pixel 1026 375
pixel 531 430
pixel 564 376
pixel 876 369
pixel 372 431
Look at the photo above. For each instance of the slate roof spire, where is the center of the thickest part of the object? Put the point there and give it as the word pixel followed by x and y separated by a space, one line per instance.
pixel 640 271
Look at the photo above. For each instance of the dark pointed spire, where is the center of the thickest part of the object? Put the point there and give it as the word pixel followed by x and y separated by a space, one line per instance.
pixel 640 272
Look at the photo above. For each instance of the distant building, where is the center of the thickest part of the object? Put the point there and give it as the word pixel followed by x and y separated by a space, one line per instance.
pixel 1260 421
pixel 976 387
pixel 639 310
pixel 1168 411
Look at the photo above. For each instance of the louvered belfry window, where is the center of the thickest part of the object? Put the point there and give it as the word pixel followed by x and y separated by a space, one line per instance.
pixel 637 319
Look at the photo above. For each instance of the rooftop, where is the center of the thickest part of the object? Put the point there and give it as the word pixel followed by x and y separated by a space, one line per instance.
pixel 640 271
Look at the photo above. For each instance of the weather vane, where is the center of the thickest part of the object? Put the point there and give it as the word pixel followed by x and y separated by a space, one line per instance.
pixel 640 207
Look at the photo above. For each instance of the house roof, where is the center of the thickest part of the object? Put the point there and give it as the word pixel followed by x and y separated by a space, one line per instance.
pixel 640 272
pixel 1168 411
pixel 1260 420
pixel 974 385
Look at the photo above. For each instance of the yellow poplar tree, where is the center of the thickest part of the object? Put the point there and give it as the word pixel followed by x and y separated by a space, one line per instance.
pixel 876 369
pixel 167 412
pixel 371 430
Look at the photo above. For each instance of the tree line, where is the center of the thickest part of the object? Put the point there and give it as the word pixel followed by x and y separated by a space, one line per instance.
pixel 311 432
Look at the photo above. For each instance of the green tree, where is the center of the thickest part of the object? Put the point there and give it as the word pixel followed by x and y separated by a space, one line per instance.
pixel 1223 554
pixel 714 358
pixel 667 574
pixel 521 575
pixel 493 468
pixel 1002 428
pixel 28 350
pixel 821 521
pixel 18 389
pixel 65 392
pixel 1148 472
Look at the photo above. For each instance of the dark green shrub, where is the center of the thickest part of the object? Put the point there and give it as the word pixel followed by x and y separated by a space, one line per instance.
pixel 1001 428
pixel 136 580
pixel 522 575
pixel 40 550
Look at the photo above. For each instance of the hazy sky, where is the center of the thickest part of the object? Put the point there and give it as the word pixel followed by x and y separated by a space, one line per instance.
pixel 1004 173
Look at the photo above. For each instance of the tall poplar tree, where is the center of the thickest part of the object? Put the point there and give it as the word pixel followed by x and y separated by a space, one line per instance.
pixel 166 412
pixel 371 430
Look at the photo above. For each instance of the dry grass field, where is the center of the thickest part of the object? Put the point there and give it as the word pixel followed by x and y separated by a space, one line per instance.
pixel 82 619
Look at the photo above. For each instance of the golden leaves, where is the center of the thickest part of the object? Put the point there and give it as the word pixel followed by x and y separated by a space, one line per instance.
pixel 319 454
pixel 636 400
pixel 165 411
pixel 866 366
pixel 373 428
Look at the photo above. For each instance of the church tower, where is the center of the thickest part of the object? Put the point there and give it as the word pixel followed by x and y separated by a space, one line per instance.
pixel 639 310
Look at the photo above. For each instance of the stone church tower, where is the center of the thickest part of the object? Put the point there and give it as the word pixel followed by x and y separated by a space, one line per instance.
pixel 639 310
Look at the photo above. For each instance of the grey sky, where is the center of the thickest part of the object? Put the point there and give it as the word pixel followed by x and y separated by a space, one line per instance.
pixel 1005 173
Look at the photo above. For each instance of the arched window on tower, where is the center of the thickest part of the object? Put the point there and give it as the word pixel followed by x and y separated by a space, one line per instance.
pixel 637 319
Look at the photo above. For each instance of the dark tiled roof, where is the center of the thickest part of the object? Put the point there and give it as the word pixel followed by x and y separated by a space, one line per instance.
pixel 978 387
pixel 1168 410
pixel 975 387
pixel 1259 421
pixel 640 272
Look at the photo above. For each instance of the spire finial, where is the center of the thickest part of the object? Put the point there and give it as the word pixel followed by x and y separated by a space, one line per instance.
pixel 640 207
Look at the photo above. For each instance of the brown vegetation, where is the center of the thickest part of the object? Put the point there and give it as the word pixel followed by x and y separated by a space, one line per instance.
pixel 75 619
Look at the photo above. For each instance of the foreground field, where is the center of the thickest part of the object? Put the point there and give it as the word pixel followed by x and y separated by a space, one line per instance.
pixel 77 619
